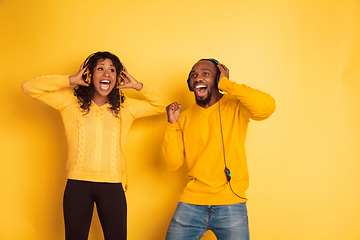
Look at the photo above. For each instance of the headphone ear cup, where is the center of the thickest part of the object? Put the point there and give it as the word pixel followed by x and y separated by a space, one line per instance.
pixel 189 84
pixel 120 79
pixel 88 79
pixel 216 62
pixel 217 80
pixel 87 76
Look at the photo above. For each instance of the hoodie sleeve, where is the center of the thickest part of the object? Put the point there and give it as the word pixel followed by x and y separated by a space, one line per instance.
pixel 173 147
pixel 155 103
pixel 260 105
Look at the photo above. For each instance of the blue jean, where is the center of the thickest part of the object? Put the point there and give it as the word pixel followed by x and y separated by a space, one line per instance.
pixel 191 222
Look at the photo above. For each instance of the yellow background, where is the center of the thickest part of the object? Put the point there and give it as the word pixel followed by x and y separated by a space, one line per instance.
pixel 303 161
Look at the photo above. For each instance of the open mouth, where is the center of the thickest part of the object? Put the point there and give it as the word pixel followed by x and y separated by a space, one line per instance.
pixel 200 89
pixel 104 85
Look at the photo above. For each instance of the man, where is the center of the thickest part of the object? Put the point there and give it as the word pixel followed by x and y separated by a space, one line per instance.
pixel 210 136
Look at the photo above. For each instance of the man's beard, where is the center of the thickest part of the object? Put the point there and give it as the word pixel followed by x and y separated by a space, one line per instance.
pixel 205 101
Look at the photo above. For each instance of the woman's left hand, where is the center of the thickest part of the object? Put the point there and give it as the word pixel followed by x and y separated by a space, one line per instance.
pixel 130 81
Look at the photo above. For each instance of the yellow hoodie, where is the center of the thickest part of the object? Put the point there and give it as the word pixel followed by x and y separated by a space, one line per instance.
pixel 197 139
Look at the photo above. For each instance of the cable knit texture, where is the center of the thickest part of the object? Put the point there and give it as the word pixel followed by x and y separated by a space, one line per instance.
pixel 95 152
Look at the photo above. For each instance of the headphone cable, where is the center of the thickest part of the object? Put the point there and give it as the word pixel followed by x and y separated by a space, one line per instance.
pixel 227 171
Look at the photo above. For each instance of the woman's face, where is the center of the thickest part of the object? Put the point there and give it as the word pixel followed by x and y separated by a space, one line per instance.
pixel 104 78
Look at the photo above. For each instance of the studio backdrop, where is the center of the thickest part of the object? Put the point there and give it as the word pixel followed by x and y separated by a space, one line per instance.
pixel 304 161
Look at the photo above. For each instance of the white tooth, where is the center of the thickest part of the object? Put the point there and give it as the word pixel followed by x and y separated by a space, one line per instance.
pixel 200 86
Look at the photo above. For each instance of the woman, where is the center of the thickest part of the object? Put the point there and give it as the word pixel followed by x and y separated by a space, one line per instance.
pixel 97 118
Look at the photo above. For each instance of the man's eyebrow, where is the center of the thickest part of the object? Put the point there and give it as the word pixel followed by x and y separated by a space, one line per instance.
pixel 201 70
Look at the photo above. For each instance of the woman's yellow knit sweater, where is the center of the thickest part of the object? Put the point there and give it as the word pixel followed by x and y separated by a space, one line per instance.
pixel 95 153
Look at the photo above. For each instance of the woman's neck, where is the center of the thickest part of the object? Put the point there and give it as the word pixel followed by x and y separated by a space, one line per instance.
pixel 100 100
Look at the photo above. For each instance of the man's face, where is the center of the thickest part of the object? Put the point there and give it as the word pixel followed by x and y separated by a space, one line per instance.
pixel 202 80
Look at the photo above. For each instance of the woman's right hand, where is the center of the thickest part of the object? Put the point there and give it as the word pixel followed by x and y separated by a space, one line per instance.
pixel 77 79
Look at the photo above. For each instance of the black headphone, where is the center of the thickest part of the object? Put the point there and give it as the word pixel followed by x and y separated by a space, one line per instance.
pixel 217 75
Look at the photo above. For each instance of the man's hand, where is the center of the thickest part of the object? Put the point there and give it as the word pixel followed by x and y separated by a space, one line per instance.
pixel 173 112
pixel 224 71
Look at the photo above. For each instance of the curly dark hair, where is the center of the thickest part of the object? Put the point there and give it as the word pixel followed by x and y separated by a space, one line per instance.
pixel 86 94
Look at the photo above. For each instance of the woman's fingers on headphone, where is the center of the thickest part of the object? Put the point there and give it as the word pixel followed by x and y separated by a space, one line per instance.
pixel 84 66
pixel 124 73
pixel 124 68
pixel 82 69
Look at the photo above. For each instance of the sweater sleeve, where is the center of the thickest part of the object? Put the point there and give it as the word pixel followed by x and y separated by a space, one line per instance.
pixel 155 103
pixel 52 90
pixel 260 105
pixel 172 147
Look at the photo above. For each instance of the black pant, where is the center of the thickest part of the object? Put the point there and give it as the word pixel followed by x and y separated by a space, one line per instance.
pixel 79 198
